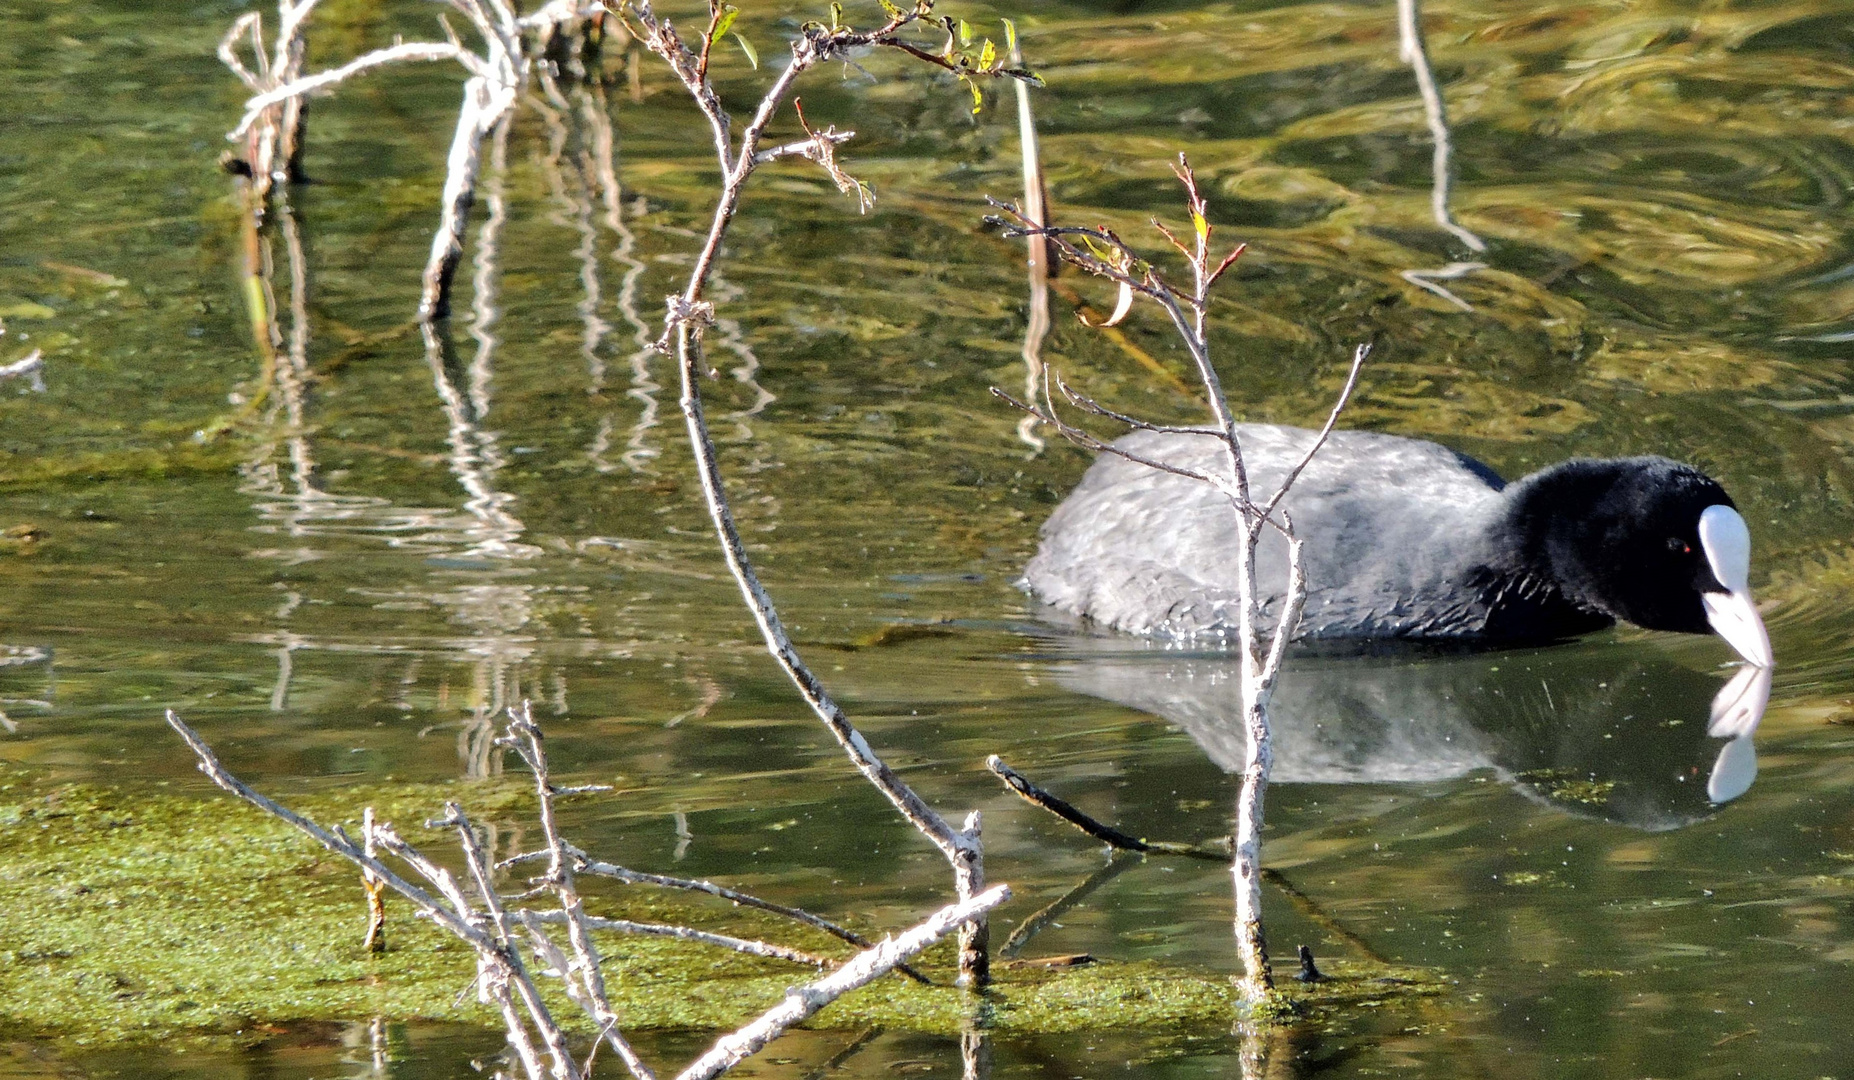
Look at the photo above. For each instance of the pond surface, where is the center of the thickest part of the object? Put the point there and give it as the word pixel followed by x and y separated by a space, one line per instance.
pixel 358 564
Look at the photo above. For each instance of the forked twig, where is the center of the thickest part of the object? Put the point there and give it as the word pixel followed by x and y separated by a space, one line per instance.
pixel 490 928
pixel 689 313
pixel 1102 253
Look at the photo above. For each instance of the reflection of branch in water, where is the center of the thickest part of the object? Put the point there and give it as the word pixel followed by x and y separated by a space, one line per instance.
pixel 485 272
pixel 575 212
pixel 1117 863
pixel 712 693
pixel 584 124
pixel 747 371
pixel 1218 850
pixel 1035 206
pixel 287 390
pixel 684 837
pixel 975 1054
pixel 842 1056
pixel 1313 913
pixel 1426 280
pixel 287 644
pixel 302 502
pixel 474 458
pixel 602 167
pixel 1415 54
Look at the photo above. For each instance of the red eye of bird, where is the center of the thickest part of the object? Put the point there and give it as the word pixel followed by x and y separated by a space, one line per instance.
pixel 1678 546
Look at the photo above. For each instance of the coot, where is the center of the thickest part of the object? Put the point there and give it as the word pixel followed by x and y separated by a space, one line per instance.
pixel 1403 539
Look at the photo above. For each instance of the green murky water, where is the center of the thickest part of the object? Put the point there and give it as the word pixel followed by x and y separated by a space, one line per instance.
pixel 390 545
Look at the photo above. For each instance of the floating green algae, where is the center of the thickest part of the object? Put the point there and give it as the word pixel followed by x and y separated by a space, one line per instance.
pixel 142 915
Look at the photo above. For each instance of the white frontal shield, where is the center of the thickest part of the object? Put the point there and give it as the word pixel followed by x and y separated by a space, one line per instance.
pixel 1727 544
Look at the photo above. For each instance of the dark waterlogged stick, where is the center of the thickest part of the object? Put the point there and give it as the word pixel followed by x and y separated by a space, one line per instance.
pixel 1021 786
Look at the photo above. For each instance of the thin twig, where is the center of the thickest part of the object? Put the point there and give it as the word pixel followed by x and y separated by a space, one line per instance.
pixel 1088 404
pixel 408 50
pixel 685 933
pixel 1036 796
pixel 1088 441
pixel 802 1002
pixel 525 737
pixel 635 877
pixel 1332 419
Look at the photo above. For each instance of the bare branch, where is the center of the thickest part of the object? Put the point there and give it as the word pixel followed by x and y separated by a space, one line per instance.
pixel 1332 419
pixel 803 148
pixel 1228 261
pixel 250 24
pixel 1088 404
pixel 1296 602
pixel 1021 786
pixel 589 991
pixel 1089 442
pixel 336 842
pixel 481 869
pixel 634 877
pixel 824 152
pixel 685 933
pixel 802 1002
pixel 687 312
pixel 410 50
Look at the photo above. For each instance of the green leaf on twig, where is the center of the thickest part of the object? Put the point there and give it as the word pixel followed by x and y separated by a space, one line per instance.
pixel 746 46
pixel 891 10
pixel 988 54
pixel 965 33
pixel 723 22
pixel 1010 35
pixel 836 17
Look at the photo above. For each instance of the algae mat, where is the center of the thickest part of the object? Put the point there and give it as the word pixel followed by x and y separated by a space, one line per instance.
pixel 141 914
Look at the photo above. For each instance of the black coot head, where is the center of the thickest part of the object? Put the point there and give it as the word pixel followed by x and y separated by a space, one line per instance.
pixel 1650 541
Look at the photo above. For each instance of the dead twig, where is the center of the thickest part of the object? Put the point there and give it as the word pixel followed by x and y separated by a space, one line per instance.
pixel 802 1002
pixel 735 896
pixel 689 313
pixel 684 933
pixel 584 977
pixel 1021 786
pixel 1102 253
pixel 495 932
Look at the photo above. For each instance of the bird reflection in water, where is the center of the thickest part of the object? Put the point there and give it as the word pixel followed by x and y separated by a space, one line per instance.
pixel 1620 733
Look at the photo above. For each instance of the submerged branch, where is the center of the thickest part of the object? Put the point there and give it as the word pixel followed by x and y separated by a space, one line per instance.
pixel 1021 786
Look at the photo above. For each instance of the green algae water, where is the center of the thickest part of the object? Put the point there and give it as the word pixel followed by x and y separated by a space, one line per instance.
pixel 342 565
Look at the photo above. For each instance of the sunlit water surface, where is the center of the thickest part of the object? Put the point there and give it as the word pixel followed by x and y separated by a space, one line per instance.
pixel 351 592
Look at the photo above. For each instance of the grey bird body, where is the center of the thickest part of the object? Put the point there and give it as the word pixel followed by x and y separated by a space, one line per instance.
pixel 1401 537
